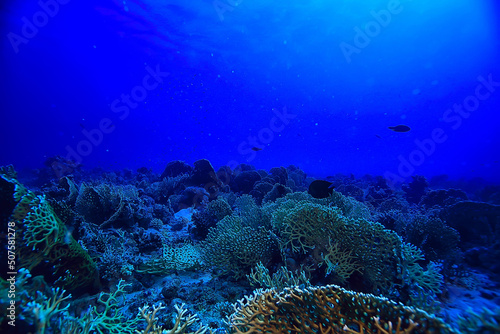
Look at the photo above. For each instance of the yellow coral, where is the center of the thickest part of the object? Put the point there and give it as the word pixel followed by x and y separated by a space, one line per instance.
pixel 182 322
pixel 328 310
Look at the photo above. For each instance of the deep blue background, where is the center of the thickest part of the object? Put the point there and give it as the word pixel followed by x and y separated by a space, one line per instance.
pixel 226 77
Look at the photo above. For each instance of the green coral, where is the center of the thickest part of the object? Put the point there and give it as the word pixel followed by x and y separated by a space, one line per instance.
pixel 279 209
pixel 234 248
pixel 42 237
pixel 335 236
pixel 283 278
pixel 250 213
pixel 342 263
pixel 42 229
pixel 372 250
pixel 49 307
pixel 47 238
pixel 349 206
pixel 485 321
pixel 106 318
pixel 430 280
pixel 219 208
pixel 308 225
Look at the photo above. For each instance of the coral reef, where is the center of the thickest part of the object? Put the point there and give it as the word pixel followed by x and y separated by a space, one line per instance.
pixel 328 309
pixel 191 242
pixel 234 248
pixel 45 239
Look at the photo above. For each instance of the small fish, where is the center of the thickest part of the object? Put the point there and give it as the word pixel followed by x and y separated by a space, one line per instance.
pixel 399 128
pixel 378 136
pixel 320 189
pixel 255 148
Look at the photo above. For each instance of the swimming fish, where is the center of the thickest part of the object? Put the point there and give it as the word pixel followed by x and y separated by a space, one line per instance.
pixel 320 189
pixel 399 128
pixel 255 148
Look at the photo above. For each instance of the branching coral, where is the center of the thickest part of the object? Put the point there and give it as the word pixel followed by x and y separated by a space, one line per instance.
pixel 485 321
pixel 182 322
pixel 204 219
pixel 372 250
pixel 430 280
pixel 328 310
pixel 42 229
pixel 44 238
pixel 279 209
pixel 107 318
pixel 340 262
pixel 308 225
pixel 281 279
pixel 45 310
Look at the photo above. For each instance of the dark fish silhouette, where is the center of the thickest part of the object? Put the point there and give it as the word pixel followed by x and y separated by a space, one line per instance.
pixel 320 189
pixel 400 128
pixel 256 149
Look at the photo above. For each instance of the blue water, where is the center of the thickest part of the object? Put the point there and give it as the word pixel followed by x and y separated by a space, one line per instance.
pixel 97 97
pixel 343 70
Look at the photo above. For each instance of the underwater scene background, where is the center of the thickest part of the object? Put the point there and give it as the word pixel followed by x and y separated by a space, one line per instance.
pixel 237 166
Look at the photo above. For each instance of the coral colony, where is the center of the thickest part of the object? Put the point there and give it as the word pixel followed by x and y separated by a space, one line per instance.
pixel 199 250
